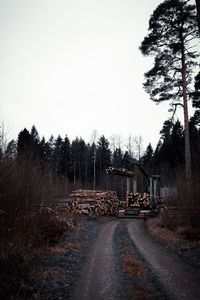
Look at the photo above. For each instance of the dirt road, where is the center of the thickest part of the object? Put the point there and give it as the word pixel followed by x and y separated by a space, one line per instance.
pixel 98 279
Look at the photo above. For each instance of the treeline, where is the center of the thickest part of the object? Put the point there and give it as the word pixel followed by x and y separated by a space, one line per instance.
pixel 78 164
pixel 168 159
pixel 70 165
pixel 82 163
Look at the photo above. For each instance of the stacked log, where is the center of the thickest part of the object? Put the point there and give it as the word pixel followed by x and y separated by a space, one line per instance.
pixel 94 202
pixel 63 206
pixel 121 172
pixel 138 200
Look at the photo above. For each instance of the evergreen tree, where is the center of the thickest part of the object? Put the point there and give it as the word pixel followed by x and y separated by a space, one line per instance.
pixel 127 161
pixel 166 130
pixel 24 142
pixel 92 171
pixel 57 156
pixel 147 159
pixel 196 100
pixel 48 152
pixel 177 139
pixel 198 12
pixel 172 27
pixel 103 158
pixel 117 158
pixel 75 158
pixel 169 154
pixel 66 167
pixel 35 140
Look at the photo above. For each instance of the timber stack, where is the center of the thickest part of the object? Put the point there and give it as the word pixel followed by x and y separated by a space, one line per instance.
pixel 63 206
pixel 140 200
pixel 121 172
pixel 94 202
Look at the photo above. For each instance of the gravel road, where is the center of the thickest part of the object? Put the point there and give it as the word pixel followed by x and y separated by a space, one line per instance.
pixel 99 281
pixel 179 280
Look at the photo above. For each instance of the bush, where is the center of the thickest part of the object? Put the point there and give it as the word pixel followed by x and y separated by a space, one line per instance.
pixel 184 206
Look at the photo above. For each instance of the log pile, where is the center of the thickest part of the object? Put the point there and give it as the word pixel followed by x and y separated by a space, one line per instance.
pixel 138 200
pixel 63 206
pixel 121 172
pixel 94 203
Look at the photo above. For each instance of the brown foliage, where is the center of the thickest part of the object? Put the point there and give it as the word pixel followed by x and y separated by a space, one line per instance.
pixel 183 208
pixel 28 224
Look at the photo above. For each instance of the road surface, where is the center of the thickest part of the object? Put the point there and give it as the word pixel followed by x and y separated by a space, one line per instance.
pixel 98 278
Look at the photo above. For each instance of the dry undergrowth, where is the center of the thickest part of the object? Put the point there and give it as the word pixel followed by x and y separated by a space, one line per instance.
pixel 180 233
pixel 28 237
pixel 155 227
pixel 57 273
pixel 130 264
pixel 140 288
pixel 140 291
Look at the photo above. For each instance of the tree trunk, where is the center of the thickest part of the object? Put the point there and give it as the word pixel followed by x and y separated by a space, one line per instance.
pixel 74 173
pixel 185 109
pixel 94 167
pixel 198 12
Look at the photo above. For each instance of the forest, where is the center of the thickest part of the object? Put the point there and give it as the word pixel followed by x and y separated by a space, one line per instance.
pixel 34 168
pixel 36 172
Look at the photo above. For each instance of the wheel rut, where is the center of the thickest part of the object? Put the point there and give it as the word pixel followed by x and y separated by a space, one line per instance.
pixel 165 276
pixel 179 280
pixel 97 278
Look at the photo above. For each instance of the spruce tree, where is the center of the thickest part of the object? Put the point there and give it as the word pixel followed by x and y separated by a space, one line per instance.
pixel 103 158
pixel 147 158
pixel 24 142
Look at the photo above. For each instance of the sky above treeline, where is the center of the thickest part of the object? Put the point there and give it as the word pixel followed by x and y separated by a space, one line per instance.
pixel 71 67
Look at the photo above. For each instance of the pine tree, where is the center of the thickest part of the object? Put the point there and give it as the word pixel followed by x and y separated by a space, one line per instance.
pixel 198 12
pixel 172 27
pixel 103 158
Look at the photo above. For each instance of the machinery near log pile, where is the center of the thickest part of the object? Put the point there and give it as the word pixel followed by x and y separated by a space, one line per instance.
pixel 138 205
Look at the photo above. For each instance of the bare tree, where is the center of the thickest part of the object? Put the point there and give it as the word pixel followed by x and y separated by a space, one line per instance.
pixel 138 140
pixel 4 134
pixel 130 145
pixel 115 142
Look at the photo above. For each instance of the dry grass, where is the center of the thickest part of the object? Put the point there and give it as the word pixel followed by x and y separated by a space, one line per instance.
pixel 28 238
pixel 190 246
pixel 57 273
pixel 140 291
pixel 156 228
pixel 130 264
pixel 58 249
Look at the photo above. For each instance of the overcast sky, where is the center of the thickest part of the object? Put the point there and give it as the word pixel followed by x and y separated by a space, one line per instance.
pixel 72 66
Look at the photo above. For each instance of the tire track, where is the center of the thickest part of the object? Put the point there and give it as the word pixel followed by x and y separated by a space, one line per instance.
pixel 180 281
pixel 97 279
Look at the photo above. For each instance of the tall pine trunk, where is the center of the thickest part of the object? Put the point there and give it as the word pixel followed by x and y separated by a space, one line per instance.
pixel 198 12
pixel 94 170
pixel 185 109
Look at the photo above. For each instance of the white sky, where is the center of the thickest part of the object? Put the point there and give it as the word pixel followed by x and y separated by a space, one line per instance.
pixel 72 66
